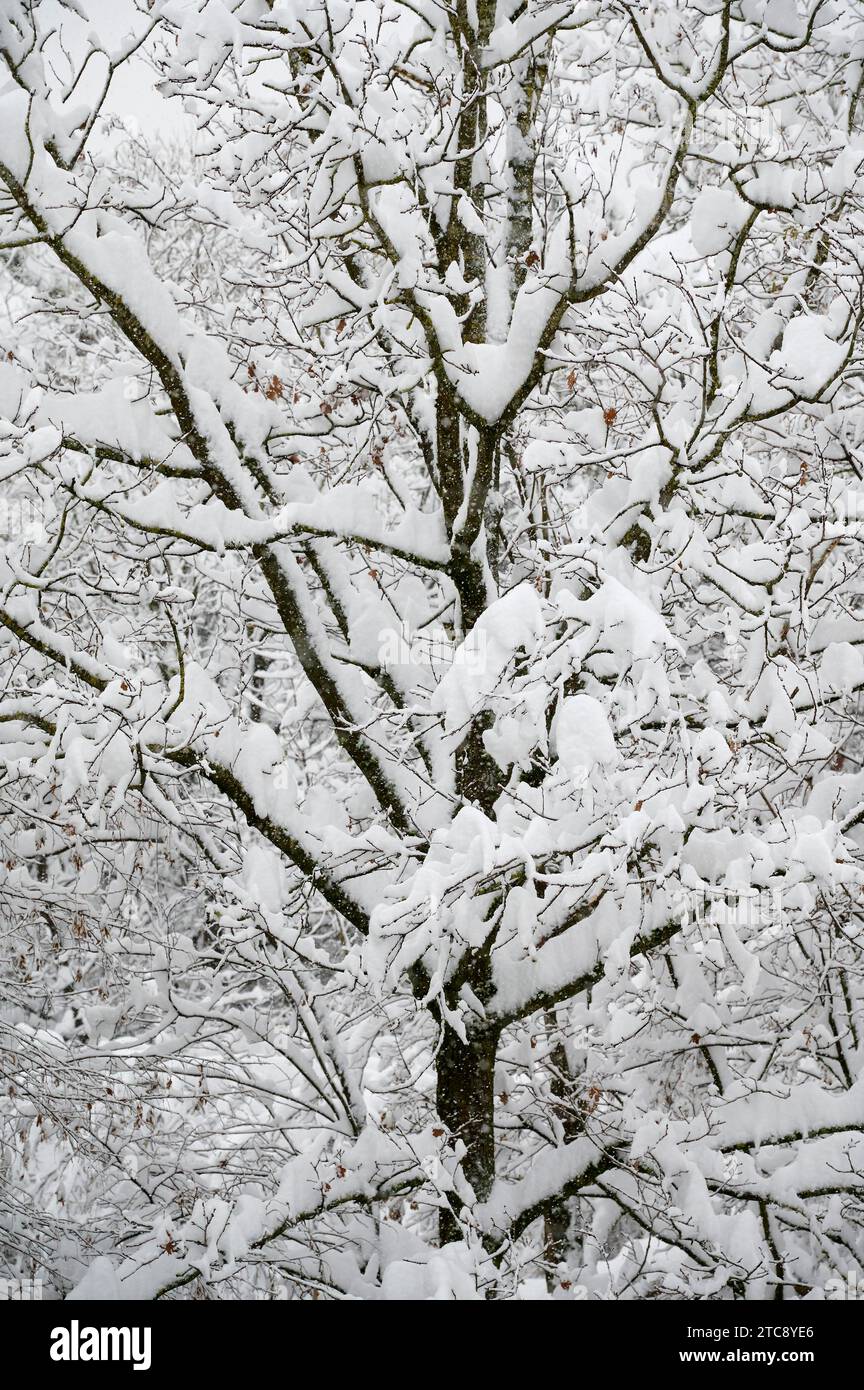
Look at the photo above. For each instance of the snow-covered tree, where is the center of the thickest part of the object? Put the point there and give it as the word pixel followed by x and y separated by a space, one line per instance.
pixel 431 644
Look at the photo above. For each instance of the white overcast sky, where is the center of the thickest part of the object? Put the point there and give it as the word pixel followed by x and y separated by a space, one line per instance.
pixel 132 92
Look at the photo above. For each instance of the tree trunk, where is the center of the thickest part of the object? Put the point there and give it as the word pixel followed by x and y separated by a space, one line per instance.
pixel 558 1219
pixel 465 1100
